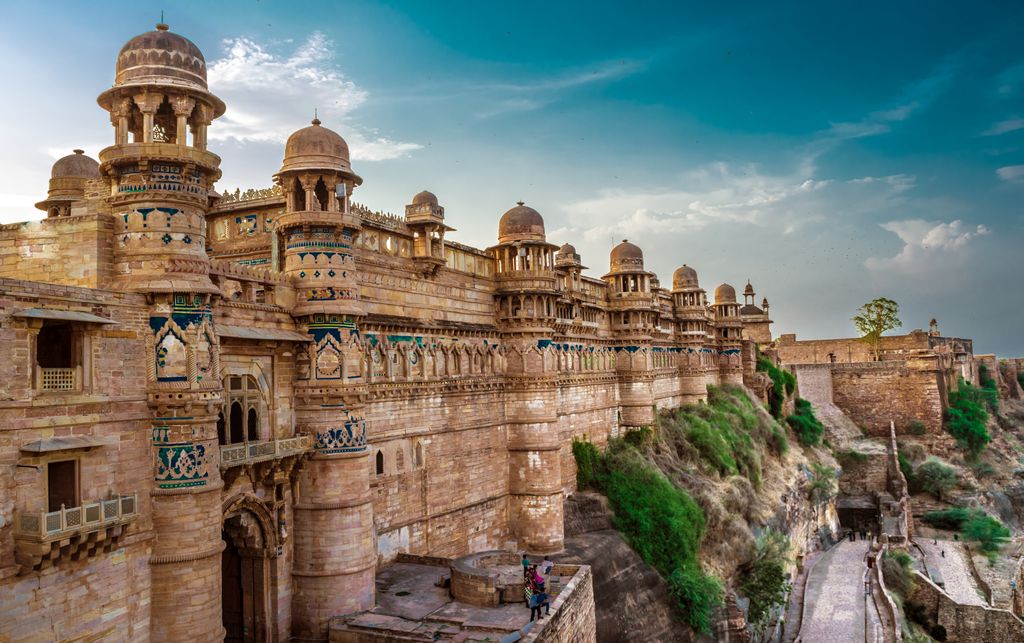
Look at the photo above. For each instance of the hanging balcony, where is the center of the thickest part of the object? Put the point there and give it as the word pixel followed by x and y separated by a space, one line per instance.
pixel 43 538
pixel 233 455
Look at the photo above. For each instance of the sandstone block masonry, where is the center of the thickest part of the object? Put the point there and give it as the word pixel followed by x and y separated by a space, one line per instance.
pixel 221 414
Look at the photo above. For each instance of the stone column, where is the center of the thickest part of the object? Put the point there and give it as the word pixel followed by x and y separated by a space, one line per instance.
pixel 148 104
pixel 185 565
pixel 535 470
pixel 182 110
pixel 335 556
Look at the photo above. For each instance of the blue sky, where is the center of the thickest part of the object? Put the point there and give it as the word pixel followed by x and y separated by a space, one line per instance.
pixel 829 152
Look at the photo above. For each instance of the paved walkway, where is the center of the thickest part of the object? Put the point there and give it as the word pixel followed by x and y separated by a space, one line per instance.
pixel 956 573
pixel 834 609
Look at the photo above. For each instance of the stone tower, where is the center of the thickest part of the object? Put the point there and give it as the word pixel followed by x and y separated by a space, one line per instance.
pixel 526 304
pixel 68 180
pixel 334 563
pixel 756 323
pixel 425 218
pixel 633 310
pixel 690 304
pixel 728 335
pixel 160 175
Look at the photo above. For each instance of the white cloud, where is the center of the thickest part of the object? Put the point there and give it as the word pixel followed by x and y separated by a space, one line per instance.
pixel 928 246
pixel 270 95
pixel 1011 173
pixel 720 193
pixel 1002 127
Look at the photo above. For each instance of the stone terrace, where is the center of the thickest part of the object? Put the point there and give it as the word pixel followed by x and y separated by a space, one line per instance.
pixel 412 606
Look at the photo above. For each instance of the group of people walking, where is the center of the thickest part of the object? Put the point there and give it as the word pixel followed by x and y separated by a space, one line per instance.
pixel 533 583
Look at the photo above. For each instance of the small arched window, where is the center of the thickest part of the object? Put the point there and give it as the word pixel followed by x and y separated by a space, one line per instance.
pixel 222 437
pixel 252 425
pixel 236 420
pixel 380 463
pixel 417 458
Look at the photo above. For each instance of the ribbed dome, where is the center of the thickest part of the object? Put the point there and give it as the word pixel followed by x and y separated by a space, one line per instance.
pixel 316 148
pixel 521 223
pixel 424 198
pixel 75 166
pixel 161 57
pixel 684 277
pixel 626 256
pixel 725 294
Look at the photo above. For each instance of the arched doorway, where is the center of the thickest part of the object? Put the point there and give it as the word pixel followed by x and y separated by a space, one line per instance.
pixel 246 577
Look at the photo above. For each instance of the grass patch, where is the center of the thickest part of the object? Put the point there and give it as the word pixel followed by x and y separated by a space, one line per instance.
pixel 935 477
pixel 661 522
pixel 729 433
pixel 807 427
pixel 898 571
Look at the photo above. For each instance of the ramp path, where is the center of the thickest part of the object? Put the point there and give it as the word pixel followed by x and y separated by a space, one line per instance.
pixel 834 605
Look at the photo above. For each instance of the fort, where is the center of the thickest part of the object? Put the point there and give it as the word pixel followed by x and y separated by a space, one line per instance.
pixel 235 414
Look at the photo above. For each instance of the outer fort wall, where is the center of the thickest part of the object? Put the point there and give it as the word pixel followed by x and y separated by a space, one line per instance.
pixel 815 383
pixel 965 622
pixel 75 251
pixel 104 593
pixel 875 393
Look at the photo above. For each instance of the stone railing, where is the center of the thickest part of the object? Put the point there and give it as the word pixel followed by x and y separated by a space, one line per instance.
pixel 45 526
pixel 57 379
pixel 43 539
pixel 233 455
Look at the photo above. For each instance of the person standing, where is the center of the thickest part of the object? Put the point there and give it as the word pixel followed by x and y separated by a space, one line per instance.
pixel 526 566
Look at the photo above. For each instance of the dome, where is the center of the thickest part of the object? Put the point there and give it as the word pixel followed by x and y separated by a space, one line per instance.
pixel 751 309
pixel 567 249
pixel 627 256
pixel 725 294
pixel 424 198
pixel 749 290
pixel 317 148
pixel 684 277
pixel 75 166
pixel 161 57
pixel 521 223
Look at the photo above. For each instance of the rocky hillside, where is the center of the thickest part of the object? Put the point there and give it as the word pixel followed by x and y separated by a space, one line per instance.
pixel 694 502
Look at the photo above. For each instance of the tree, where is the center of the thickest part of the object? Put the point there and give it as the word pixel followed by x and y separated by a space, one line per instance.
pixel 935 477
pixel 874 318
pixel 823 483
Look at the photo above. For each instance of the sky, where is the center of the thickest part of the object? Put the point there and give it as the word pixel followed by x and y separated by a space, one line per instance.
pixel 831 153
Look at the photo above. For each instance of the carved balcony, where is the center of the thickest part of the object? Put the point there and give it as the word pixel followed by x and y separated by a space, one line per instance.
pixel 44 538
pixel 234 455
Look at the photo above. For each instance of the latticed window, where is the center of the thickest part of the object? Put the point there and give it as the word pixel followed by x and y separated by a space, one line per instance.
pixel 57 357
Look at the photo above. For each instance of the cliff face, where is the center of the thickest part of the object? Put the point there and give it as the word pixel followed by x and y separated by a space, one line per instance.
pixel 632 601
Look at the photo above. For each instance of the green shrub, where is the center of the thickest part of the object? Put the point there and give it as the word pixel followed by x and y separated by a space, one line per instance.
pixel 588 461
pixel 822 486
pixel 908 471
pixel 803 422
pixel 987 531
pixel 850 457
pixel 697 595
pixel 935 477
pixel 763 579
pixel 898 571
pixel 983 469
pixel 1020 378
pixel 783 384
pixel 638 437
pixel 952 518
pixel 989 388
pixel 966 417
pixel 916 427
